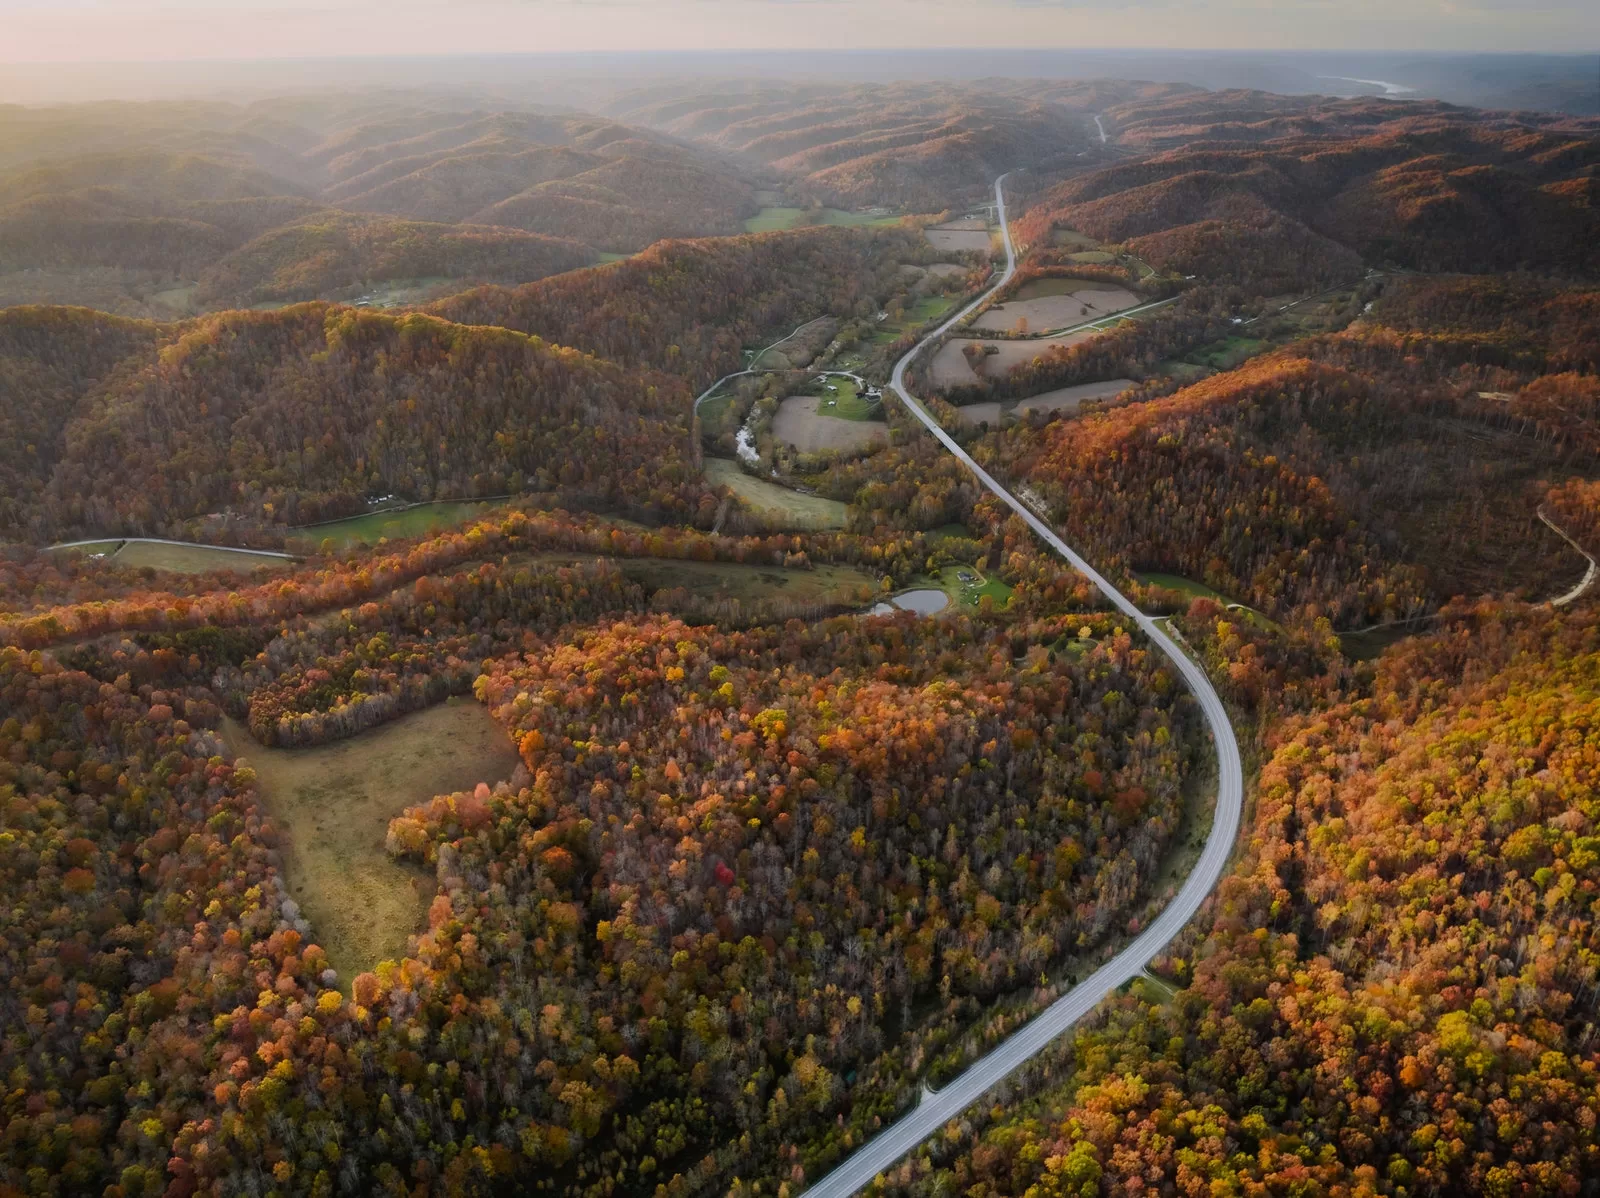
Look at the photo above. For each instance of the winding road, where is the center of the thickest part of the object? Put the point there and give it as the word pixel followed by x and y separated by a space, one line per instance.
pixel 1589 575
pixel 886 1149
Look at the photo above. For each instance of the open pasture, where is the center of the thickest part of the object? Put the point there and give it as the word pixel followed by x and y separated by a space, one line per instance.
pixel 394 525
pixel 333 805
pixel 194 559
pixel 779 506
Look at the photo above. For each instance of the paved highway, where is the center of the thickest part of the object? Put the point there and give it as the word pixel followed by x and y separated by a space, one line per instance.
pixel 886 1149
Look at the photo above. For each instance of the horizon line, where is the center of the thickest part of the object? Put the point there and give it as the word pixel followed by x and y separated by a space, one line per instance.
pixel 854 51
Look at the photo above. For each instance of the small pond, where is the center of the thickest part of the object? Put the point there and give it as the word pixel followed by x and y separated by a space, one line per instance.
pixel 924 602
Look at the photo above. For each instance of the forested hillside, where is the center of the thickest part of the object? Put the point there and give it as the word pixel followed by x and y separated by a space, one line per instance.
pixel 1432 191
pixel 597 826
pixel 1361 474
pixel 646 911
pixel 1394 992
pixel 688 307
pixel 161 210
pixel 300 414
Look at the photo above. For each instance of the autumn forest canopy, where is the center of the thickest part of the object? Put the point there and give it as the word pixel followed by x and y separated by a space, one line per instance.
pixel 499 695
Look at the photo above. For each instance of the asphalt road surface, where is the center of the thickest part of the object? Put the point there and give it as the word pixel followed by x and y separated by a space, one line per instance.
pixel 886 1149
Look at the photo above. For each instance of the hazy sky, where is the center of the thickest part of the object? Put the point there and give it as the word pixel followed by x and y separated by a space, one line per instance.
pixel 123 30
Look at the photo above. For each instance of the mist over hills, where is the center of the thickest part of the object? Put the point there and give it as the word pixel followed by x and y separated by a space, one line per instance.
pixel 1552 82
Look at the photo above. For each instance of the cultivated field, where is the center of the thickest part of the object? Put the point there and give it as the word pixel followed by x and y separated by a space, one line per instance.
pixel 950 369
pixel 960 236
pixel 1064 399
pixel 801 422
pixel 333 805
pixel 1056 304
pixel 779 506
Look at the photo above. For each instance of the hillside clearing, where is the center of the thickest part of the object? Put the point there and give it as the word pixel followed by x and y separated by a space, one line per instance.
pixel 193 559
pixel 779 506
pixel 1063 399
pixel 333 804
pixel 394 525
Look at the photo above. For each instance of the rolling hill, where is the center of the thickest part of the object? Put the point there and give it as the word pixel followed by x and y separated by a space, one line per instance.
pixel 1422 187
pixel 149 210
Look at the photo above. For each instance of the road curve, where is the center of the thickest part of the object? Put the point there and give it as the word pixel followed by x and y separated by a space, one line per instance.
pixel 885 1149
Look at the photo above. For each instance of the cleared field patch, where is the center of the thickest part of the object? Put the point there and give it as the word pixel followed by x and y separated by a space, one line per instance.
pixel 832 585
pixel 193 559
pixel 1068 398
pixel 950 368
pixel 779 219
pixel 947 270
pixel 1072 239
pixel 959 240
pixel 1063 399
pixel 804 423
pixel 1058 310
pixel 1231 352
pixel 410 522
pixel 929 307
pixel 334 803
pixel 396 293
pixel 1092 257
pixel 780 506
pixel 177 299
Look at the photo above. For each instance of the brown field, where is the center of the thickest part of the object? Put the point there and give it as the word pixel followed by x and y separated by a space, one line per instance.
pixel 333 805
pixel 1064 399
pixel 949 367
pixel 947 270
pixel 800 424
pixel 945 237
pixel 780 506
pixel 1087 301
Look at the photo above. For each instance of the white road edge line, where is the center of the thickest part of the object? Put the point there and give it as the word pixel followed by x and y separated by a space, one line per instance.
pixel 287 557
pixel 1589 575
pixel 886 1149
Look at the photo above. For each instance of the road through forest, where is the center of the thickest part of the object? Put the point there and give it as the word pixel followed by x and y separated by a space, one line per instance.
pixel 886 1148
